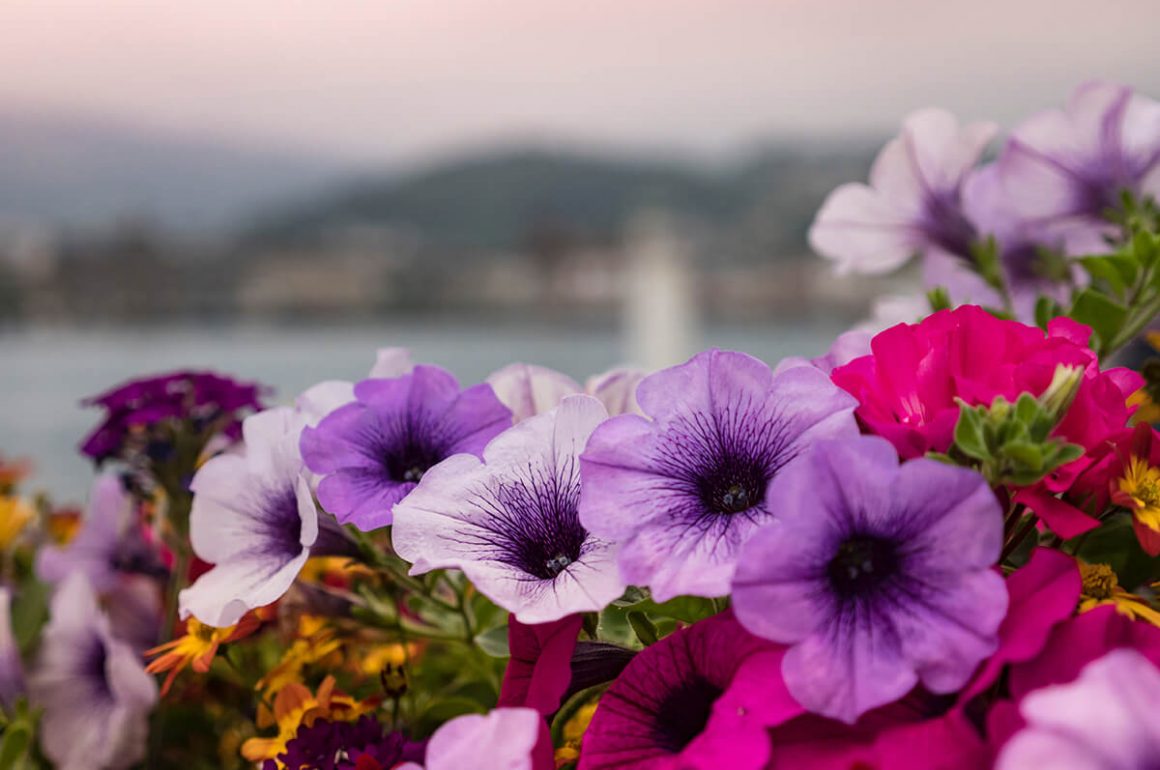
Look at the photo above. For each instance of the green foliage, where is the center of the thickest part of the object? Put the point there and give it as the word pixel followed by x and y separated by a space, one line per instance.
pixel 1012 443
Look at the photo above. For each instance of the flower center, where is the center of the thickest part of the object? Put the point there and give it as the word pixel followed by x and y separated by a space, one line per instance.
pixel 407 464
pixel 557 564
pixel 735 490
pixel 861 564
pixel 684 712
pixel 1099 581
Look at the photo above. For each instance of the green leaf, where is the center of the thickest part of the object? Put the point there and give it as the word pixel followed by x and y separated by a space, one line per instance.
pixel 939 299
pixel 643 627
pixel 1028 455
pixel 494 642
pixel 969 433
pixel 688 609
pixel 1046 309
pixel 29 613
pixel 14 745
pixel 1100 312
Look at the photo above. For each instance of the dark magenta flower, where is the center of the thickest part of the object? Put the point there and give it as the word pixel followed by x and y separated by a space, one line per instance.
pixel 373 451
pixel 878 575
pixel 699 699
pixel 361 745
pixel 539 670
pixel 142 414
pixel 683 487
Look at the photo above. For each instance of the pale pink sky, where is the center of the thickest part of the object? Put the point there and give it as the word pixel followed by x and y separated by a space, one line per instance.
pixel 398 79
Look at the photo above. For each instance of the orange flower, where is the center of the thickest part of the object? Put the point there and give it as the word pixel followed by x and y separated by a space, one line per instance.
pixel 316 642
pixel 294 706
pixel 197 647
pixel 12 472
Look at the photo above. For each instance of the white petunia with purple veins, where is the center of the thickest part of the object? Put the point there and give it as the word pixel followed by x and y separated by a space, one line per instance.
pixel 255 520
pixel 683 488
pixel 1104 720
pixel 510 521
pixel 913 204
pixel 530 389
pixel 94 691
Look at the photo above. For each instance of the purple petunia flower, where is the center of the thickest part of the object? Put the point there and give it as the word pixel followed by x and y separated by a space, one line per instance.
pixel 511 522
pixel 699 699
pixel 504 739
pixel 879 576
pixel 11 666
pixel 1066 169
pixel 136 411
pixel 110 545
pixel 360 745
pixel 913 202
pixel 255 520
pixel 373 451
pixel 94 691
pixel 528 389
pixel 1104 720
pixel 683 490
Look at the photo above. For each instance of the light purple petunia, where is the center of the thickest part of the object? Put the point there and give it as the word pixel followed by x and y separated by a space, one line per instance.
pixel 11 666
pixel 511 521
pixel 110 546
pixel 913 204
pixel 94 691
pixel 503 739
pixel 1066 169
pixel 1104 720
pixel 255 520
pixel 528 389
pixel 683 488
pixel 373 451
pixel 879 576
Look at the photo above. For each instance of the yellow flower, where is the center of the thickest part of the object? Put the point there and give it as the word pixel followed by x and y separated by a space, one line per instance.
pixel 316 642
pixel 573 733
pixel 15 514
pixel 1147 410
pixel 197 647
pixel 1100 587
pixel 294 706
pixel 332 570
pixel 374 660
pixel 1139 491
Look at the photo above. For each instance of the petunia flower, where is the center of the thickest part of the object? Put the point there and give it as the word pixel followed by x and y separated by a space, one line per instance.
pixel 110 545
pixel 539 670
pixel 684 487
pixel 511 521
pixel 12 683
pixel 699 699
pixel 372 452
pixel 528 389
pixel 1104 720
pixel 255 520
pixel 196 647
pixel 878 575
pixel 913 204
pixel 94 691
pixel 1067 169
pixel 504 739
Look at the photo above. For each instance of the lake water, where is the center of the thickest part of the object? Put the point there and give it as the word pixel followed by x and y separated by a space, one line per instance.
pixel 45 373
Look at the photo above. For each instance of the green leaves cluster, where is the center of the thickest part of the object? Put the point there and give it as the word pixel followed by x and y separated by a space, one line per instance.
pixel 1012 443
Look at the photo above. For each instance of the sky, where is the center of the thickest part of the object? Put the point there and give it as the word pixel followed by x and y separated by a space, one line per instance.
pixel 397 80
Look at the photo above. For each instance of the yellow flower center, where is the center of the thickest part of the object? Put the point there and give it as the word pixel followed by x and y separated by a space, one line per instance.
pixel 1099 581
pixel 1141 486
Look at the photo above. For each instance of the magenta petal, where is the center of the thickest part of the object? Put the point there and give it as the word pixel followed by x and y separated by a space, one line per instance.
pixel 539 671
pixel 1042 594
pixel 1062 518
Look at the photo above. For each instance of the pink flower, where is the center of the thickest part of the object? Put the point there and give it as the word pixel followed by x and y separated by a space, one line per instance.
pixel 907 388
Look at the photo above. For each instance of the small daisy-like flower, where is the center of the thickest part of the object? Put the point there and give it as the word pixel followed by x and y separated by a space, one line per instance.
pixel 294 706
pixel 315 641
pixel 196 648
pixel 684 487
pixel 1104 720
pixel 511 521
pixel 1138 490
pixel 1102 587
pixel 361 745
pixel 372 451
pixel 878 575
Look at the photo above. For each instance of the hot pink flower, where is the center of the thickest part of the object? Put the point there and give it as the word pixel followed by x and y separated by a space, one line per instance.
pixel 907 388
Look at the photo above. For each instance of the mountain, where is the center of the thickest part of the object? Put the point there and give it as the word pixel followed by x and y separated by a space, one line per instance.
pixel 68 172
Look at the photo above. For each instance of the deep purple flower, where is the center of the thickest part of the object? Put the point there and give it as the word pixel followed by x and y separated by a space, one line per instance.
pixel 699 699
pixel 539 670
pixel 110 545
pixel 1104 720
pixel 879 576
pixel 913 204
pixel 255 520
pixel 1066 169
pixel 511 522
pixel 373 451
pixel 683 490
pixel 141 414
pixel 359 745
pixel 94 691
